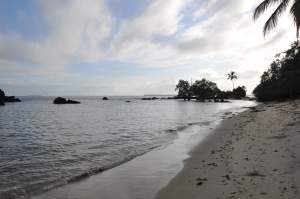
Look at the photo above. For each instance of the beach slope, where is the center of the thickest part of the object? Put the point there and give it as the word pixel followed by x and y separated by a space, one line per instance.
pixel 255 154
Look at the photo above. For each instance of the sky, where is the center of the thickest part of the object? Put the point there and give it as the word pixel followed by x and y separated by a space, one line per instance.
pixel 133 47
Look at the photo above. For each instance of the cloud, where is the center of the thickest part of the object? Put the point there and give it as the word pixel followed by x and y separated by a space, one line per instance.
pixel 227 38
pixel 141 39
pixel 76 31
pixel 219 37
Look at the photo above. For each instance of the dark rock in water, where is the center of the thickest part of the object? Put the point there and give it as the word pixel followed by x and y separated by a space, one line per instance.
pixel 128 101
pixel 150 98
pixel 11 99
pixel 72 102
pixel 172 98
pixel 61 100
pixel 2 98
pixel 104 98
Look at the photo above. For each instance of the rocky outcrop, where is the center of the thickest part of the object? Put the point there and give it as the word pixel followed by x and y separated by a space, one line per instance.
pixel 150 98
pixel 72 102
pixel 2 98
pixel 12 99
pixel 104 98
pixel 61 100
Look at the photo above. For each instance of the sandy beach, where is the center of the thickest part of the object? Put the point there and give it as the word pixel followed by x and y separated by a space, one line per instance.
pixel 255 154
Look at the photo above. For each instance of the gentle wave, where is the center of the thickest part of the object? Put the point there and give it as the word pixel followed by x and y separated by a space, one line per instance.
pixel 44 146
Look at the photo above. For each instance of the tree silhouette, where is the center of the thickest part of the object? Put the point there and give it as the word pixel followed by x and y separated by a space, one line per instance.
pixel 239 92
pixel 183 88
pixel 281 80
pixel 204 89
pixel 232 76
pixel 282 6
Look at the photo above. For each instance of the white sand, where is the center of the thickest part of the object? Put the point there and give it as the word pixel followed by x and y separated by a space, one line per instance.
pixel 255 154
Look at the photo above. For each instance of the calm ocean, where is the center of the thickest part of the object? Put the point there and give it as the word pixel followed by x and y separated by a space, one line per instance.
pixel 43 145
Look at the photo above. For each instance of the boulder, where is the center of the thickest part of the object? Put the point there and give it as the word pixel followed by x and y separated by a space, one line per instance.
pixel 150 98
pixel 61 100
pixel 2 98
pixel 104 98
pixel 72 102
pixel 11 99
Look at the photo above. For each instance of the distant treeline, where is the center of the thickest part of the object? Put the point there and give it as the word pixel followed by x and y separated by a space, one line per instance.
pixel 204 89
pixel 282 79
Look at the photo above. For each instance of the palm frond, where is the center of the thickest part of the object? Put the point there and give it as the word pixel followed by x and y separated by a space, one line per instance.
pixel 272 21
pixel 295 11
pixel 261 8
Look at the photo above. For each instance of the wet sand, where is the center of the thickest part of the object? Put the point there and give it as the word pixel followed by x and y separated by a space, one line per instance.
pixel 255 154
pixel 140 178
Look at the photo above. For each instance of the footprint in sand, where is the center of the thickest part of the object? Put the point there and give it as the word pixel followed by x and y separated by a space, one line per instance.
pixel 200 181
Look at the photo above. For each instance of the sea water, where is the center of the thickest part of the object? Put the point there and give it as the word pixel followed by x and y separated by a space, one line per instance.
pixel 43 145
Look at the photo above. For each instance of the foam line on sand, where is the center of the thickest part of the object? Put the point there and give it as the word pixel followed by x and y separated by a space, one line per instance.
pixel 255 154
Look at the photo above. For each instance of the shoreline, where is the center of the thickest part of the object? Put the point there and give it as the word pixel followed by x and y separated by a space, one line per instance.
pixel 131 180
pixel 245 158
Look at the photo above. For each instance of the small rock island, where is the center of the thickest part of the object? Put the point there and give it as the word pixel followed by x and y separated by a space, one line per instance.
pixel 61 100
pixel 4 99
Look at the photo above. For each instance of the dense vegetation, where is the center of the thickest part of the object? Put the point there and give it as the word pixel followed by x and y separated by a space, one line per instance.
pixel 282 79
pixel 204 89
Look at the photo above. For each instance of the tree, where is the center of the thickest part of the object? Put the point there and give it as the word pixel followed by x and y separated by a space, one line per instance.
pixel 282 6
pixel 239 92
pixel 232 76
pixel 204 89
pixel 281 80
pixel 183 88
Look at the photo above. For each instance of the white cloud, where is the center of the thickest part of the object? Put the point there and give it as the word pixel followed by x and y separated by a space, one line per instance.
pixel 220 38
pixel 76 31
pixel 227 37
pixel 137 39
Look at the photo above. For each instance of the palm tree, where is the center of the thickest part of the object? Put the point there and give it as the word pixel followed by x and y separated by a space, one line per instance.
pixel 282 6
pixel 232 76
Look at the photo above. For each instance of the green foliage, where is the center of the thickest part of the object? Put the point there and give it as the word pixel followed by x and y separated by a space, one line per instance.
pixel 239 92
pixel 224 95
pixel 282 79
pixel 232 76
pixel 204 89
pixel 183 88
pixel 282 5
